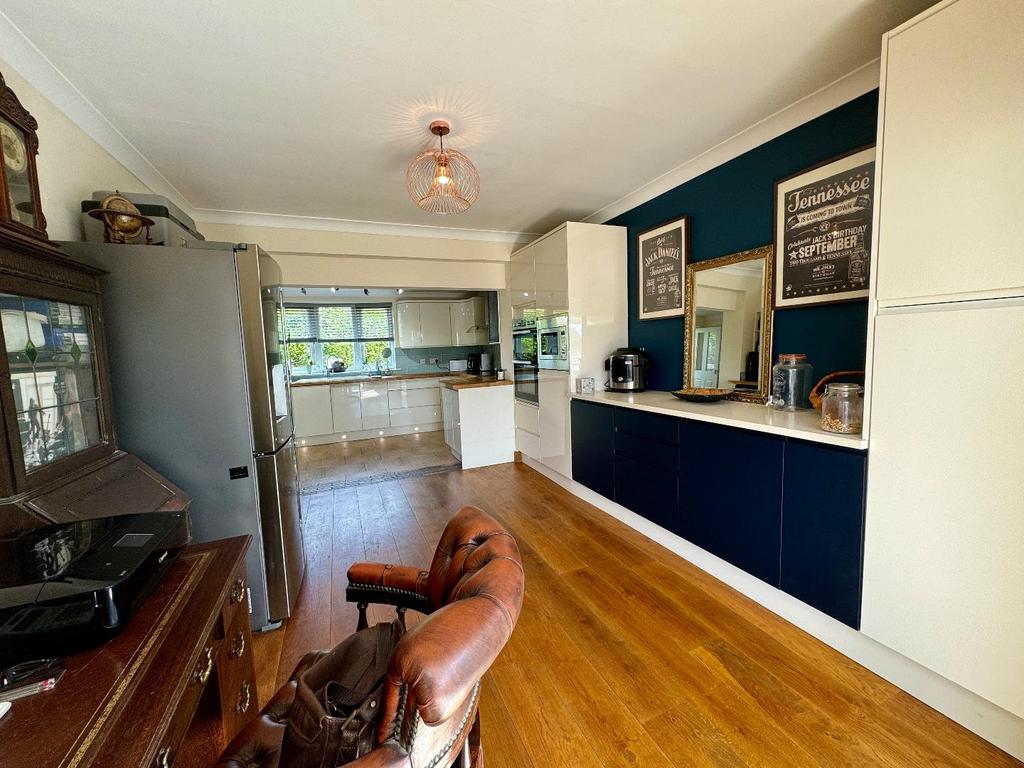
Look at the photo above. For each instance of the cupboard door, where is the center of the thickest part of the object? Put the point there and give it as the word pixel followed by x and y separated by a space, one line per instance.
pixel 348 412
pixel 551 273
pixel 521 278
pixel 408 317
pixel 435 324
pixel 373 402
pixel 951 195
pixel 593 447
pixel 943 571
pixel 823 528
pixel 647 490
pixel 311 410
pixel 731 495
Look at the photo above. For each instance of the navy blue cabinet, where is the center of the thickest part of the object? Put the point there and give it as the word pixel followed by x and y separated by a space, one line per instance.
pixel 823 528
pixel 787 511
pixel 731 504
pixel 647 465
pixel 593 447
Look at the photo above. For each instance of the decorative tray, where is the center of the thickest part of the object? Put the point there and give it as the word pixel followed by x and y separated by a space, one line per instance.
pixel 702 394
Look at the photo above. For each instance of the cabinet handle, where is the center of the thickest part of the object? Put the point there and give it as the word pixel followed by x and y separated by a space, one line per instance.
pixel 238 646
pixel 244 699
pixel 205 666
pixel 237 591
pixel 163 758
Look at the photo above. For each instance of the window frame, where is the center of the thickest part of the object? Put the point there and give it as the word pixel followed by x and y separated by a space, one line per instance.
pixel 316 352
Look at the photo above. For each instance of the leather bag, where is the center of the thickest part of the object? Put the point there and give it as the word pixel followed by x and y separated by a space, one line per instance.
pixel 338 701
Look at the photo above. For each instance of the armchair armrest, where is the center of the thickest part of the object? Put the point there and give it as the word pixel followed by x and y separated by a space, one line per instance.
pixel 399 585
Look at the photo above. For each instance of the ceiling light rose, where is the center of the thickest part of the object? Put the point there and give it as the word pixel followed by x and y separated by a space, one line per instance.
pixel 442 180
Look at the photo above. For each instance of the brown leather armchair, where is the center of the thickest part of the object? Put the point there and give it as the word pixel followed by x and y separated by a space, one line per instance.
pixel 473 593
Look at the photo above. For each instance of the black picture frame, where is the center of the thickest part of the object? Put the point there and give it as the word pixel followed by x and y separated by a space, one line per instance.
pixel 662 253
pixel 823 220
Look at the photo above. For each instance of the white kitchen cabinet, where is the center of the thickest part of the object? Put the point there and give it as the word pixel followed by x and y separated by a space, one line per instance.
pixel 553 421
pixel 436 323
pixel 943 573
pixel 311 410
pixel 373 399
pixel 450 416
pixel 527 421
pixel 415 403
pixel 950 155
pixel 522 282
pixel 407 315
pixel 550 258
pixel 469 322
pixel 422 416
pixel 413 398
pixel 346 404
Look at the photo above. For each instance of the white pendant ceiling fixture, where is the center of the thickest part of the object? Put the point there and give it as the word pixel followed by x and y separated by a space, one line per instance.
pixel 442 180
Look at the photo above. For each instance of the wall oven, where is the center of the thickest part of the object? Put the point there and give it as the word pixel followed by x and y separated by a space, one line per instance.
pixel 524 361
pixel 553 342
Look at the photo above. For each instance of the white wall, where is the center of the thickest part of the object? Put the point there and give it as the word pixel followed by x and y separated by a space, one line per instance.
pixel 71 165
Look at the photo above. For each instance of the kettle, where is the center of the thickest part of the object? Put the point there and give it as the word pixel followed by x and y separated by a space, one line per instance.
pixel 627 370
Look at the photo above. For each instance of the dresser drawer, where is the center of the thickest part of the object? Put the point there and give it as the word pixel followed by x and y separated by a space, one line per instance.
pixel 237 602
pixel 236 676
pixel 201 672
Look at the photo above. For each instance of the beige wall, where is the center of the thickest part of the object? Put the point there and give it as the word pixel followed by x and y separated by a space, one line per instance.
pixel 311 257
pixel 71 165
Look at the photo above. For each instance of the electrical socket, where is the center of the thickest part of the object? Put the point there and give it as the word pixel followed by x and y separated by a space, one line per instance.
pixel 434 360
pixel 423 361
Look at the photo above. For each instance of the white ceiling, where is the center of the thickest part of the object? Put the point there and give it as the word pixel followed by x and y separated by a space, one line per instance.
pixel 375 294
pixel 315 108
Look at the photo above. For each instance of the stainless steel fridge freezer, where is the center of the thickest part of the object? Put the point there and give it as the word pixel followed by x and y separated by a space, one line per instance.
pixel 201 392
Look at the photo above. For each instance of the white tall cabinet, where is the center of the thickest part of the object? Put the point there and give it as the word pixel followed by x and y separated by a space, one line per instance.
pixel 943 567
pixel 579 270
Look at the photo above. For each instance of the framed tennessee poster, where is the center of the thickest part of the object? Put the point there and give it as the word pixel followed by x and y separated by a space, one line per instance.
pixel 661 256
pixel 823 231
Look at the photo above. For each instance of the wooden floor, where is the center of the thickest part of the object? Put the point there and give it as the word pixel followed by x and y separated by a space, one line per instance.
pixel 625 654
pixel 361 461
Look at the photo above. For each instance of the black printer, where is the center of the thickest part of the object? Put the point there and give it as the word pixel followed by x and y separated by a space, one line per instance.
pixel 64 588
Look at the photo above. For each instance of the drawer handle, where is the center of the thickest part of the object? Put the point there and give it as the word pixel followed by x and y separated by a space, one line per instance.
pixel 205 666
pixel 163 758
pixel 244 699
pixel 237 591
pixel 238 646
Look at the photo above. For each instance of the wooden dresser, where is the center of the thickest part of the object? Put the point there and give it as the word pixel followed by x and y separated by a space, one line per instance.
pixel 170 690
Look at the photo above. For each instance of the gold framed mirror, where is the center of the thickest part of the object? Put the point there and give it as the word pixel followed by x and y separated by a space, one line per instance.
pixel 728 338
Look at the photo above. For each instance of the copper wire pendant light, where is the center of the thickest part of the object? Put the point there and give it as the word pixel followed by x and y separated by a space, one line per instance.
pixel 442 180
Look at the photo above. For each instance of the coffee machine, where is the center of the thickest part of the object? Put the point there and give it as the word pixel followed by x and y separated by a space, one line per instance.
pixel 627 370
pixel 479 363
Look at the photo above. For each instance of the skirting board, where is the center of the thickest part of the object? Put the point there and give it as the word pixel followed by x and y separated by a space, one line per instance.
pixel 984 718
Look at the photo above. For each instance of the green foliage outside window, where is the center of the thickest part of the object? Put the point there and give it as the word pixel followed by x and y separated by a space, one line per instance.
pixel 373 351
pixel 300 355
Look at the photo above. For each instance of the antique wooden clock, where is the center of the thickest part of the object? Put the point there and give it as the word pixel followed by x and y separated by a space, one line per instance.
pixel 59 459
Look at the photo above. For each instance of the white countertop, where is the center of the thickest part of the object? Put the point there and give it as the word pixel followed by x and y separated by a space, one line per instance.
pixel 802 425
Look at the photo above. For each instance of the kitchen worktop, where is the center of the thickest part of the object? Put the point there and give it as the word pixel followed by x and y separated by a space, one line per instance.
pixel 341 378
pixel 802 425
pixel 472 382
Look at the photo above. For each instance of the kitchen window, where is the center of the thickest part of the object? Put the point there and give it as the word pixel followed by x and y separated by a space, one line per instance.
pixel 355 334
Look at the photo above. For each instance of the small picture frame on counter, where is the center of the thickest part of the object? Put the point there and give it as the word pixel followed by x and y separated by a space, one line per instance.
pixel 661 256
pixel 585 385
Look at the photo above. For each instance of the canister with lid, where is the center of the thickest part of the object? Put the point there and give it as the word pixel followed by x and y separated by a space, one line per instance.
pixel 842 408
pixel 792 379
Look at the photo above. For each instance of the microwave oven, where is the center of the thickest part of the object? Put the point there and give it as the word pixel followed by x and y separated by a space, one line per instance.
pixel 553 342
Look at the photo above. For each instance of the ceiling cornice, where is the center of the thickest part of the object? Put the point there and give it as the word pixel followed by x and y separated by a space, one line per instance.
pixel 326 224
pixel 33 65
pixel 835 94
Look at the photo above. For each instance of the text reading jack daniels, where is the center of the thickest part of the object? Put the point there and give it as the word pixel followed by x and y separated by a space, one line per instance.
pixel 826 237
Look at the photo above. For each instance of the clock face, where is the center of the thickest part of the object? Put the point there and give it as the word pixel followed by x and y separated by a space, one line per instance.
pixel 15 152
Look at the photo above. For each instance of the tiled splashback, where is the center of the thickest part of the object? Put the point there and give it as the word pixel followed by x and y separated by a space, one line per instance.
pixel 408 360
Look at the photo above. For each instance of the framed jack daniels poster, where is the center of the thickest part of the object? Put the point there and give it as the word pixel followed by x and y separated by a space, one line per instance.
pixel 661 256
pixel 823 231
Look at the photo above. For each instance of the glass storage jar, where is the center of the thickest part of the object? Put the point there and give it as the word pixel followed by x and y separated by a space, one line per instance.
pixel 791 382
pixel 842 408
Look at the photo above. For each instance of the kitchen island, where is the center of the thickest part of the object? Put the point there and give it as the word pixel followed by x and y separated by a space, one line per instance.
pixel 479 419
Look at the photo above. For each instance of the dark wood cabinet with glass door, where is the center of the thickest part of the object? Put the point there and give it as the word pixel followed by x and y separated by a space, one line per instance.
pixel 60 460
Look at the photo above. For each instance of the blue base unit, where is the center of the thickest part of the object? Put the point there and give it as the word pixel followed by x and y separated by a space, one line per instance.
pixel 732 495
pixel 823 528
pixel 789 512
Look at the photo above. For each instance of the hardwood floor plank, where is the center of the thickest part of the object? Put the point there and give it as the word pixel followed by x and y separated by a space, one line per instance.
pixel 625 653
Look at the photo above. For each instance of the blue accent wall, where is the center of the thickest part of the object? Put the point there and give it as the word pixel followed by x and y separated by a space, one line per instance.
pixel 730 209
